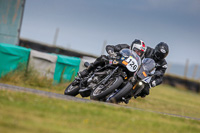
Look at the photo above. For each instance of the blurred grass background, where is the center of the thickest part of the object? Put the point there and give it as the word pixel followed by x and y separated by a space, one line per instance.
pixel 22 112
pixel 31 79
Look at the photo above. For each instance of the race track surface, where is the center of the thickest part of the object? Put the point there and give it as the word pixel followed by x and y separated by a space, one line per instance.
pixel 64 97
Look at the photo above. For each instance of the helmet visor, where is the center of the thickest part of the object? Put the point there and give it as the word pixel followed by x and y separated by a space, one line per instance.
pixel 138 52
pixel 159 55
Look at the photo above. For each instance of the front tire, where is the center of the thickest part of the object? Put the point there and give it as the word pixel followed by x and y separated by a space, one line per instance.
pixel 72 90
pixel 102 91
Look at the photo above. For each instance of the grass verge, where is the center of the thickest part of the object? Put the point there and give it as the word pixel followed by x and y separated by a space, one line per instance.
pixel 169 99
pixel 161 99
pixel 32 79
pixel 24 112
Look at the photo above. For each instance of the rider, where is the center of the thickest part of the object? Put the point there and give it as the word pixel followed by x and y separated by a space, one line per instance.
pixel 158 54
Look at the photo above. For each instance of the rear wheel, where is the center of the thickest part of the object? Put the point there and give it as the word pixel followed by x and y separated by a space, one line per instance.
pixel 122 93
pixel 101 91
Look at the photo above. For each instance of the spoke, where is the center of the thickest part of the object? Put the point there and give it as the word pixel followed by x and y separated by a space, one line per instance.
pixel 102 88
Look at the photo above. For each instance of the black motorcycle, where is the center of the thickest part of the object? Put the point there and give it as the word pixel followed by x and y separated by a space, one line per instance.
pixel 136 84
pixel 80 85
pixel 105 79
pixel 122 68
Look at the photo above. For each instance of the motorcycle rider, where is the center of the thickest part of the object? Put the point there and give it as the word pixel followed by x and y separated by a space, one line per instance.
pixel 158 54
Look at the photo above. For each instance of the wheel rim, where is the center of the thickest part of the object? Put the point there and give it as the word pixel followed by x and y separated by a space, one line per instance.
pixel 101 88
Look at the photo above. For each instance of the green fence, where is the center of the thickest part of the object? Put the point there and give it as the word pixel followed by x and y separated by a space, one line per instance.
pixel 11 57
pixel 66 68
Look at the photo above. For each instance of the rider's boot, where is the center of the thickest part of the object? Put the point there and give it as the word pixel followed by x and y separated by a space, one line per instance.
pixel 142 95
pixel 125 100
pixel 85 72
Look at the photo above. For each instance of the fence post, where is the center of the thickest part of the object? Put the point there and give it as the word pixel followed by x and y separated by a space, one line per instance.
pixel 55 36
pixel 186 68
pixel 195 71
pixel 169 68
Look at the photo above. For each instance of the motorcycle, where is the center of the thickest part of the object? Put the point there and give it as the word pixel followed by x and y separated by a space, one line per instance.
pixel 122 67
pixel 134 86
pixel 83 86
pixel 105 79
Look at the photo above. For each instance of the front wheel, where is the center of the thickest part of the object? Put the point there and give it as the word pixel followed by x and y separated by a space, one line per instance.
pixel 72 90
pixel 101 91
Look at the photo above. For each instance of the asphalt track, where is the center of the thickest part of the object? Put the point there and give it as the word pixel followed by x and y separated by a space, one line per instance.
pixel 64 97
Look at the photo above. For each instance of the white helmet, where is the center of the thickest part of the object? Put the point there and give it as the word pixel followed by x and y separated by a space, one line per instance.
pixel 139 47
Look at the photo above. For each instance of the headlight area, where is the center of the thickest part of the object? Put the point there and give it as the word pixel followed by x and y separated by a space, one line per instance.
pixel 140 83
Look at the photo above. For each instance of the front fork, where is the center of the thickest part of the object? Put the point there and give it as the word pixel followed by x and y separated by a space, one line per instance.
pixel 108 77
pixel 137 89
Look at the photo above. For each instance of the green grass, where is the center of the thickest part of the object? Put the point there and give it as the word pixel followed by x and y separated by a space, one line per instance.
pixel 172 100
pixel 162 98
pixel 24 112
pixel 31 79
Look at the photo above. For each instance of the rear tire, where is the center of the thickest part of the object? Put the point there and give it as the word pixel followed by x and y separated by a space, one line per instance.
pixel 123 92
pixel 101 91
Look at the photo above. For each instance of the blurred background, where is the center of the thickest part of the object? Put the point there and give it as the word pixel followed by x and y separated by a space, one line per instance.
pixel 57 36
pixel 87 26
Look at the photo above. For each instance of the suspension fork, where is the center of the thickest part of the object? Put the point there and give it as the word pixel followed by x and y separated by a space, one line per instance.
pixel 108 77
pixel 139 90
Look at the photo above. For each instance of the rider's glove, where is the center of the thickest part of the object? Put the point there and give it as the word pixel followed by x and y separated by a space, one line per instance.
pixel 153 83
pixel 112 53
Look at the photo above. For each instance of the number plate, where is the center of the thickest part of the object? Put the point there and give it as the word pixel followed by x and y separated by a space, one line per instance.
pixel 132 64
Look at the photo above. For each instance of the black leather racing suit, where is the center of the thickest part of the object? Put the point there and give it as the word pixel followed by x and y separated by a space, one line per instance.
pixel 161 66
